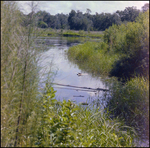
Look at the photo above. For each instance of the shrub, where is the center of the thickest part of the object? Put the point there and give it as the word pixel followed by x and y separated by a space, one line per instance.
pixel 67 124
pixel 131 103
pixel 131 41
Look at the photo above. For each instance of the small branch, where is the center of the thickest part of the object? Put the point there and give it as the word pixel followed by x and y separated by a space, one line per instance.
pixel 82 87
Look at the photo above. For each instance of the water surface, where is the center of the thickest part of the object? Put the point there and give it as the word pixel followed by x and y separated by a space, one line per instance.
pixel 66 71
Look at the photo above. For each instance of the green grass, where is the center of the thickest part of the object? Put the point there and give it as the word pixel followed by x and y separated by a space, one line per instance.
pixel 82 33
pixel 48 32
pixel 92 57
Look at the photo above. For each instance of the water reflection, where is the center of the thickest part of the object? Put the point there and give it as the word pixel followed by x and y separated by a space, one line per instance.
pixel 67 71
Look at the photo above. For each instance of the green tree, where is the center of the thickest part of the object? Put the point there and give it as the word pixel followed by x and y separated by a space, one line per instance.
pixel 88 11
pixel 145 7
pixel 129 14
pixel 42 24
pixel 72 14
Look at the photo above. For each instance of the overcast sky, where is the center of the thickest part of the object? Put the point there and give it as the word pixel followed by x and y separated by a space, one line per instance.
pixel 54 7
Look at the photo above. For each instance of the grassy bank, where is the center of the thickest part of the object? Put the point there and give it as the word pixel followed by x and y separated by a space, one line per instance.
pixel 93 57
pixel 124 53
pixel 130 102
pixel 48 32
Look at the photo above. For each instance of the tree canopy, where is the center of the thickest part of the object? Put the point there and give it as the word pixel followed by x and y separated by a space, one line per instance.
pixel 76 20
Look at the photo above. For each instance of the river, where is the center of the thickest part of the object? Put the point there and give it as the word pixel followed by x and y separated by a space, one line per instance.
pixel 66 71
pixel 54 58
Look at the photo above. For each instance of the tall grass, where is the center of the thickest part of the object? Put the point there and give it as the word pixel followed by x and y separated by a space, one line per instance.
pixel 93 57
pixel 49 32
pixel 131 103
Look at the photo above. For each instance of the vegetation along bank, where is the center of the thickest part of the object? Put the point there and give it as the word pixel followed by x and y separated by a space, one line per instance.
pixel 34 118
pixel 123 54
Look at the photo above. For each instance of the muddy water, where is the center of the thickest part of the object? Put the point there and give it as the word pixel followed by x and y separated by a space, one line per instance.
pixel 66 72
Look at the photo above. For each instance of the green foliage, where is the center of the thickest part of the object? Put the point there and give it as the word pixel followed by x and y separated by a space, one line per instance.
pixel 19 80
pixel 64 124
pixel 82 33
pixel 92 57
pixel 131 103
pixel 42 24
pixel 70 34
pixel 131 41
pixel 124 54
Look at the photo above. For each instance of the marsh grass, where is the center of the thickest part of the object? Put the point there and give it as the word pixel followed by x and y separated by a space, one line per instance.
pixel 92 57
pixel 48 32
pixel 129 100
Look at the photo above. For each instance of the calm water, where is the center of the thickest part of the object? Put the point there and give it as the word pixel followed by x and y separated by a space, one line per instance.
pixel 66 72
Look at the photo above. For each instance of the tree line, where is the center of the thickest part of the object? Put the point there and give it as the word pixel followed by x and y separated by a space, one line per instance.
pixel 76 20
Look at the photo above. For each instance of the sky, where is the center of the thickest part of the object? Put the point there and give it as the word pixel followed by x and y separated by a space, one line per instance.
pixel 65 7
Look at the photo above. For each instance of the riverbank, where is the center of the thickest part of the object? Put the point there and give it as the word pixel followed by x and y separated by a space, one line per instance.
pixel 92 57
pixel 69 33
pixel 121 54
pixel 31 116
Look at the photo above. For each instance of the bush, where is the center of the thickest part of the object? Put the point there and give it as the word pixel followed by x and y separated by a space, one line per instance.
pixel 64 124
pixel 131 42
pixel 131 103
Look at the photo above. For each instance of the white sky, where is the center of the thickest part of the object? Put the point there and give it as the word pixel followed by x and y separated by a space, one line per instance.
pixel 54 7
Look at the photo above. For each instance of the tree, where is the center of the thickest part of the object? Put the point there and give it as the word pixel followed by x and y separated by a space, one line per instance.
pixel 44 17
pixel 88 11
pixel 42 24
pixel 72 14
pixel 63 21
pixel 129 14
pixel 145 7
